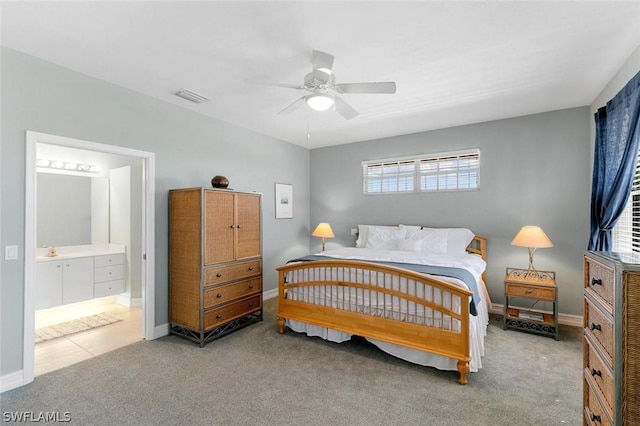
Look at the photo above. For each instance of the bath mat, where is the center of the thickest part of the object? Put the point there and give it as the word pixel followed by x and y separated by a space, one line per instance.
pixel 74 326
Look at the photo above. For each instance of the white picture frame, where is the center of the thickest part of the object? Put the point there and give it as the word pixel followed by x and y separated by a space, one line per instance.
pixel 284 201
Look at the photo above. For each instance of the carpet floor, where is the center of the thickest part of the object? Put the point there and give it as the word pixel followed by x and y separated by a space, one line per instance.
pixel 256 376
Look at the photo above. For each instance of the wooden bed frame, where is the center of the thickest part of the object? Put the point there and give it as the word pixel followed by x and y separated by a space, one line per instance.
pixel 446 334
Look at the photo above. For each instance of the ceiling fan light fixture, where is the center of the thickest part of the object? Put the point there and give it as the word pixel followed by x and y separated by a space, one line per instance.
pixel 320 102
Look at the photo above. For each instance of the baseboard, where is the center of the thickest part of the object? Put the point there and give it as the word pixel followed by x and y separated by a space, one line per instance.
pixel 564 319
pixel 129 302
pixel 270 294
pixel 11 381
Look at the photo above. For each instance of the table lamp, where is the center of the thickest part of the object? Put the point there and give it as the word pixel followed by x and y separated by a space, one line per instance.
pixel 532 237
pixel 323 230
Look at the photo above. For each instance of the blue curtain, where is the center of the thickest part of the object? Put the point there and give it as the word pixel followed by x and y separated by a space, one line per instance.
pixel 616 152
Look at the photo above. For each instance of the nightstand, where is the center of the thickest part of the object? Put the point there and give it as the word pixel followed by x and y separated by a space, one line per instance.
pixel 536 286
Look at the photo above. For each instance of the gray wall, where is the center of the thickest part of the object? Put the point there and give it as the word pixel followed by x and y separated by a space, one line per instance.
pixel 535 170
pixel 190 149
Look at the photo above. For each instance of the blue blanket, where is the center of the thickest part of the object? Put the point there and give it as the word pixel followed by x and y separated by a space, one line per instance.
pixel 445 271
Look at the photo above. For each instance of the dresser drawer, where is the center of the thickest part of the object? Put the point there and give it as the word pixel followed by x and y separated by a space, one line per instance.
pixel 109 273
pixel 226 313
pixel 236 271
pixel 109 259
pixel 601 375
pixel 519 290
pixel 599 281
pixel 226 293
pixel 600 327
pixel 594 413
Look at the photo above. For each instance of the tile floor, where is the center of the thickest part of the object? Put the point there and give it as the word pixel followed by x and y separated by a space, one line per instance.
pixel 61 352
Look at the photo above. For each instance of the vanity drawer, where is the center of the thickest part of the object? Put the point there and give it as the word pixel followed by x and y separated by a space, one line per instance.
pixel 600 327
pixel 226 293
pixel 109 259
pixel 232 311
pixel 109 273
pixel 108 288
pixel 599 281
pixel 601 374
pixel 236 271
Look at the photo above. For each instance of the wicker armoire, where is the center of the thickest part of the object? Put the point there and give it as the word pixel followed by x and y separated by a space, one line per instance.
pixel 215 262
pixel 611 339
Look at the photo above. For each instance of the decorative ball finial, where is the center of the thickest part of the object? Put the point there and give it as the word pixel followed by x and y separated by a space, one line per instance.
pixel 219 182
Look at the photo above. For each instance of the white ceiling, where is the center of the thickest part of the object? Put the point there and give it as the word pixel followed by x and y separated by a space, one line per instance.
pixel 454 62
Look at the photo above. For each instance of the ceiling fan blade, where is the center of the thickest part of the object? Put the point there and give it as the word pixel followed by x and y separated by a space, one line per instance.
pixel 377 87
pixel 275 84
pixel 344 109
pixel 322 60
pixel 293 106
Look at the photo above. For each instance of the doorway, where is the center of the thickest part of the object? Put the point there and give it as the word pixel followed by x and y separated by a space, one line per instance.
pixel 145 238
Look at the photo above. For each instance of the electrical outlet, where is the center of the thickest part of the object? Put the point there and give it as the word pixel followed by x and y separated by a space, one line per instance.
pixel 10 252
pixel 354 231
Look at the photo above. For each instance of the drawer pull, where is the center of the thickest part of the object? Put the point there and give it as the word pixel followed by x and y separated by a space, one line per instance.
pixel 239 226
pixel 219 295
pixel 595 418
pixel 219 275
pixel 219 316
pixel 596 281
pixel 232 227
pixel 251 305
pixel 250 268
pixel 250 285
pixel 529 291
pixel 595 372
pixel 596 327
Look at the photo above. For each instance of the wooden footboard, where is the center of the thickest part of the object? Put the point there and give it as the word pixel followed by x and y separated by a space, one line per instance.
pixel 379 302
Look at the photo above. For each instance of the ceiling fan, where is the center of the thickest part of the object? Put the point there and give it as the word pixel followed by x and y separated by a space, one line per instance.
pixel 324 91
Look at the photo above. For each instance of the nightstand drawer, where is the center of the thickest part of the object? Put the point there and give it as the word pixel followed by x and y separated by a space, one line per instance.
pixel 599 281
pixel 600 373
pixel 600 328
pixel 522 290
pixel 226 293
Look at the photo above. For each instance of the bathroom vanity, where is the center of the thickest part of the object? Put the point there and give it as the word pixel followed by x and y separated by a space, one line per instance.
pixel 79 273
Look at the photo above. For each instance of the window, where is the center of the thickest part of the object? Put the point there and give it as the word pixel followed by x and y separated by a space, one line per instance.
pixel 451 171
pixel 626 233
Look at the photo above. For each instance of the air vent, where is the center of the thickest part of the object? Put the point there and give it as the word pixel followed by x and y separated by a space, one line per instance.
pixel 191 96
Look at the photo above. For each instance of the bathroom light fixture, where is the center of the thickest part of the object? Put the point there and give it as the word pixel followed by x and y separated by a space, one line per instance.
pixel 67 165
pixel 320 102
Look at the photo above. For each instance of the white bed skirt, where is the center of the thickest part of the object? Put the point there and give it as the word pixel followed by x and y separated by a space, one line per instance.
pixel 478 330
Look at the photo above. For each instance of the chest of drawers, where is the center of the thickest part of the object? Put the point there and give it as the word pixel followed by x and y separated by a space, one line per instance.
pixel 611 388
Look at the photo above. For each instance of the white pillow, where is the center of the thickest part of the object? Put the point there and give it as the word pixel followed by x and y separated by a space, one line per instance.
pixel 363 233
pixel 434 241
pixel 457 239
pixel 384 239
pixel 410 245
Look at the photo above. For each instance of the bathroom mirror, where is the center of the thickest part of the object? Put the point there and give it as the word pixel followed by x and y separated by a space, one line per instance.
pixel 71 210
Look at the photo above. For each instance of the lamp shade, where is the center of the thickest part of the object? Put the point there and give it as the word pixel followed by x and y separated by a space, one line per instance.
pixel 532 236
pixel 323 230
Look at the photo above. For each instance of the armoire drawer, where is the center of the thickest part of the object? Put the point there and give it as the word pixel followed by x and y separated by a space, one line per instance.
pixel 236 271
pixel 600 327
pixel 229 292
pixel 599 281
pixel 226 313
